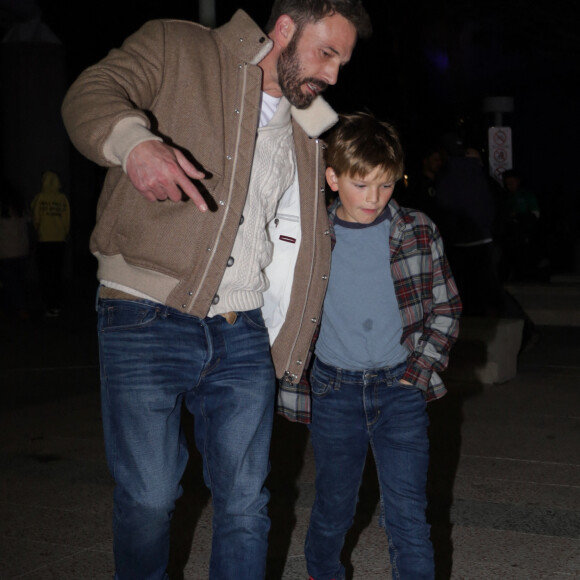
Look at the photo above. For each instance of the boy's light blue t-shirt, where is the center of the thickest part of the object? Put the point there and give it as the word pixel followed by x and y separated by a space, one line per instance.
pixel 361 325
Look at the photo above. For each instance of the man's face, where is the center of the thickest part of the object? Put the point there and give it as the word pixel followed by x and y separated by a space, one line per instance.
pixel 313 57
pixel 363 199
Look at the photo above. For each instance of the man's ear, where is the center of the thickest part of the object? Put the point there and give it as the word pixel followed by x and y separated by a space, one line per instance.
pixel 331 179
pixel 284 30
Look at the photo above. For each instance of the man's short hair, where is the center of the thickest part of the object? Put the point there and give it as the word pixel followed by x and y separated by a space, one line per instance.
pixel 305 11
pixel 360 143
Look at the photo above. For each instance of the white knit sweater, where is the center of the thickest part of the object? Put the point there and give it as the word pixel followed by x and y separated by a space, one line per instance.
pixel 273 172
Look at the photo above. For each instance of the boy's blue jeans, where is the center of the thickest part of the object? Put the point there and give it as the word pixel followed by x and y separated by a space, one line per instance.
pixel 153 358
pixel 350 410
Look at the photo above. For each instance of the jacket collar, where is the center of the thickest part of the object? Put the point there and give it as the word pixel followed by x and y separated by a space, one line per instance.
pixel 244 38
pixel 317 118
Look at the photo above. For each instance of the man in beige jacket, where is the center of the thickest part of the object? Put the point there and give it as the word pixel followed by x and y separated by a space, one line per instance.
pixel 204 131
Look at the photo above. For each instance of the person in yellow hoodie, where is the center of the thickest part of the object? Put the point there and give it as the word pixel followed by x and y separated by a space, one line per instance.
pixel 51 219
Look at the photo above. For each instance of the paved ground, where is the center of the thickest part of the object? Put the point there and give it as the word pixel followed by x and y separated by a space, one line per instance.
pixel 504 484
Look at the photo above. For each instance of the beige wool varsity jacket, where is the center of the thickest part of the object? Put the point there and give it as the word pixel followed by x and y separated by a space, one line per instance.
pixel 199 90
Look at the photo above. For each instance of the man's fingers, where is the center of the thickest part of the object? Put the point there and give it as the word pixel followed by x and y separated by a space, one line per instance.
pixel 192 192
pixel 148 195
pixel 187 166
pixel 188 188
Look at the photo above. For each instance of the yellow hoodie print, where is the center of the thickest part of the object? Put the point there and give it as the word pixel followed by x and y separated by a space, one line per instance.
pixel 51 210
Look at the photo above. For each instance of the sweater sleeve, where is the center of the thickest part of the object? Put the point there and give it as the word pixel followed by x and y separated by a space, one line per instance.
pixel 104 109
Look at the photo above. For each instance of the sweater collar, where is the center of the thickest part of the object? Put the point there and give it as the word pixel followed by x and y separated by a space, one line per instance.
pixel 281 117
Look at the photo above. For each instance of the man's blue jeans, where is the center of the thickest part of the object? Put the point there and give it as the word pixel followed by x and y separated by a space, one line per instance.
pixel 152 359
pixel 350 410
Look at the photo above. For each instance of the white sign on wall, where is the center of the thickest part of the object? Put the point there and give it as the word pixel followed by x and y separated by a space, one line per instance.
pixel 500 151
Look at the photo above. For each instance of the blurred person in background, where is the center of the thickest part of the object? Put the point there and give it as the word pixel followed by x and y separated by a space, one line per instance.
pixel 51 220
pixel 14 254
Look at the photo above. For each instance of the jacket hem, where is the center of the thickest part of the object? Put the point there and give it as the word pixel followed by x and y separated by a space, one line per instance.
pixel 155 284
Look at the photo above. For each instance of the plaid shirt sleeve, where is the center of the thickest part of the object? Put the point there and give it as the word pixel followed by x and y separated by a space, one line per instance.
pixel 429 303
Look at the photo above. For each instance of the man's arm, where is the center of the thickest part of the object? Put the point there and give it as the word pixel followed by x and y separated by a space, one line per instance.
pixel 104 114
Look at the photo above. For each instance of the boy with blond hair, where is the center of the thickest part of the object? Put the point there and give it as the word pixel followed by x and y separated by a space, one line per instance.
pixel 390 317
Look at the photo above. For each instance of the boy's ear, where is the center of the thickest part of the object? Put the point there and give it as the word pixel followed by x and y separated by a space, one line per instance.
pixel 331 179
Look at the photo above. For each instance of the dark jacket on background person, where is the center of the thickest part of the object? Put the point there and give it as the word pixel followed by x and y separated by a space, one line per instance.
pixel 465 204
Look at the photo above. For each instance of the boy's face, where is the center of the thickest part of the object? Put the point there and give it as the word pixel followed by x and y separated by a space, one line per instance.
pixel 363 199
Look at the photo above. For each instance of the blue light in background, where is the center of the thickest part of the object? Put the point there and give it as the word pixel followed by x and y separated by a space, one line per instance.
pixel 438 58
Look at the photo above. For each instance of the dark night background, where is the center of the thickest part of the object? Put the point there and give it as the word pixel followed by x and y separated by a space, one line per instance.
pixel 427 69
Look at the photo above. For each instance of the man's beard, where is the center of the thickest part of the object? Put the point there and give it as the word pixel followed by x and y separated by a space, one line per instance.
pixel 289 78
